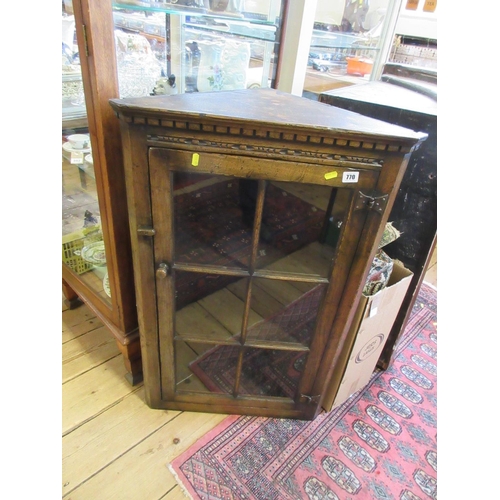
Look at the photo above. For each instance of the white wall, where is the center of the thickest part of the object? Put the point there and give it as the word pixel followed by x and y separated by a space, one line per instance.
pixel 417 23
pixel 329 11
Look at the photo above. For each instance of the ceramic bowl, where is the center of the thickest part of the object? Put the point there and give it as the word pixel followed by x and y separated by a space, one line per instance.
pixel 79 141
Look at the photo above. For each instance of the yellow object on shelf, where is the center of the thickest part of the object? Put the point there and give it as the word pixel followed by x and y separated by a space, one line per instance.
pixel 72 245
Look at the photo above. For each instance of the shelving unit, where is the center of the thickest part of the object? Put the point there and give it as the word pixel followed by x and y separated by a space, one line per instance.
pixel 206 49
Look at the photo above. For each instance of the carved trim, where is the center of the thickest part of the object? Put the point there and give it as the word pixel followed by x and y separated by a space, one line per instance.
pixel 245 131
pixel 293 152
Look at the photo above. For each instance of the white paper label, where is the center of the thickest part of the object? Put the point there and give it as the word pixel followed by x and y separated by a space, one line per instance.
pixel 76 158
pixel 350 177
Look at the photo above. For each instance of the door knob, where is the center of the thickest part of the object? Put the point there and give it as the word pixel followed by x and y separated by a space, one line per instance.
pixel 163 270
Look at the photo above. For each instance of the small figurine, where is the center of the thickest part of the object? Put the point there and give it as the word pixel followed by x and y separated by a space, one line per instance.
pixel 89 220
pixel 165 86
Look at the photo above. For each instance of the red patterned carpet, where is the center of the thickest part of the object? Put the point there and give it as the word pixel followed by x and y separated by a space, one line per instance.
pixel 380 444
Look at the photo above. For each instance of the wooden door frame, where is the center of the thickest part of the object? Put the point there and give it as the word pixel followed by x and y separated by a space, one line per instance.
pixel 354 226
pixel 95 27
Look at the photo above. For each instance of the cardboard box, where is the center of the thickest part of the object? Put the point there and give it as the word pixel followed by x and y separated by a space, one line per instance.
pixel 370 328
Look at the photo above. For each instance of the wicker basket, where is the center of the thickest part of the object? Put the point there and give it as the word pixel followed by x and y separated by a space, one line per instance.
pixel 74 242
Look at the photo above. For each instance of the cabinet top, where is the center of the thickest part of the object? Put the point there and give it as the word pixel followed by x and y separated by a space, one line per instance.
pixel 384 94
pixel 279 111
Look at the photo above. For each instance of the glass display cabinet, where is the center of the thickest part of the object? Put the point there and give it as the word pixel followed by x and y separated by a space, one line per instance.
pixel 349 36
pixel 348 43
pixel 128 49
pixel 96 252
pixel 178 46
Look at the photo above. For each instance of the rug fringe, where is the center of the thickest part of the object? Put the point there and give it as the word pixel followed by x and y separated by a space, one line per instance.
pixel 179 482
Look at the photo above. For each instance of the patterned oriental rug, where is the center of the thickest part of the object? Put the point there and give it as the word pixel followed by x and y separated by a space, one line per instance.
pixel 379 444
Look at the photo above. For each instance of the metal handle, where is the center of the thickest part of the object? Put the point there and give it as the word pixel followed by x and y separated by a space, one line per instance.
pixel 311 399
pixel 163 270
pixel 146 231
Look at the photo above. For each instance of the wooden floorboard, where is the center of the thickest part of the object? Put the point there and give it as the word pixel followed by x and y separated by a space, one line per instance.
pixel 93 392
pixel 87 351
pixel 175 493
pixel 77 322
pixel 142 471
pixel 114 446
pixel 102 440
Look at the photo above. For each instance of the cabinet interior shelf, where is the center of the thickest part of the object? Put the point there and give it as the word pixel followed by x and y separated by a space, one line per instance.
pixel 250 17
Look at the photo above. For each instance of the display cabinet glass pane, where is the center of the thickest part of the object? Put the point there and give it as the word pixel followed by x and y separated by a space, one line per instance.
pixel 170 47
pixel 232 369
pixel 82 240
pixel 288 310
pixel 295 224
pixel 251 265
pixel 271 372
pixel 206 308
pixel 205 368
pixel 212 224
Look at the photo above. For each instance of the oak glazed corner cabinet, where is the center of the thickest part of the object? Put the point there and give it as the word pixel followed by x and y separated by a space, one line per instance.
pixel 254 218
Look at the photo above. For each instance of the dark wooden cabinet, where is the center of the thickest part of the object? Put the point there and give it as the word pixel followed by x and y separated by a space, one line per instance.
pixel 254 218
pixel 412 104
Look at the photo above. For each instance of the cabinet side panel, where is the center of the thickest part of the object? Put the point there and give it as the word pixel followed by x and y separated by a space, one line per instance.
pixel 138 196
pixel 99 77
pixel 388 183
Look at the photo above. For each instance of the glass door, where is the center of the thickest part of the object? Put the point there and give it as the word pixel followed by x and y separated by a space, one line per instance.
pixel 83 248
pixel 244 266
